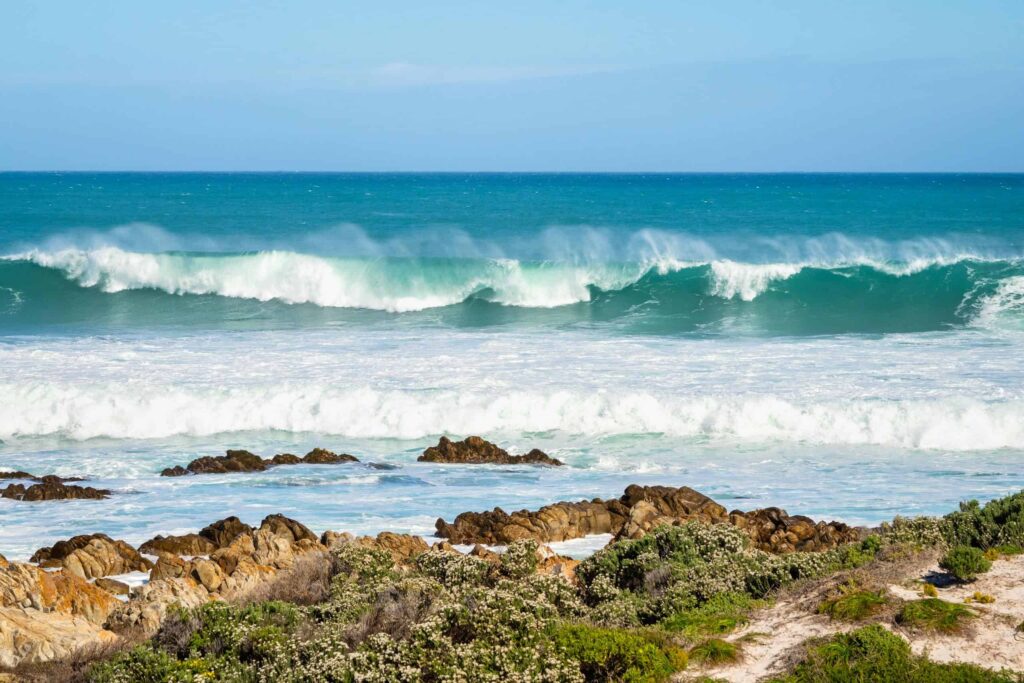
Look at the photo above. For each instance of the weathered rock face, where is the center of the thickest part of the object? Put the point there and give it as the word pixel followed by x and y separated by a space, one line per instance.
pixel 44 615
pixel 403 547
pixel 773 530
pixel 558 522
pixel 475 451
pixel 222 532
pixel 112 586
pixel 287 528
pixel 244 461
pixel 189 544
pixel 52 490
pixel 320 456
pixel 92 556
pixel 639 510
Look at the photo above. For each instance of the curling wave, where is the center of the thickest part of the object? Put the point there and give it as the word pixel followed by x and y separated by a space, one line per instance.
pixel 658 295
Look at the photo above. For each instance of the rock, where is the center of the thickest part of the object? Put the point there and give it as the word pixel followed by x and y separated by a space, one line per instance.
pixel 403 547
pixel 331 539
pixel 168 567
pixel 16 475
pixel 28 587
pixel 639 510
pixel 244 461
pixel 474 451
pixel 189 544
pixel 485 554
pixel 3 562
pixel 558 522
pixel 92 556
pixel 288 529
pixel 112 586
pixel 320 456
pixel 207 573
pixel 52 490
pixel 550 562
pixel 223 532
pixel 228 557
pixel 233 461
pixel 148 606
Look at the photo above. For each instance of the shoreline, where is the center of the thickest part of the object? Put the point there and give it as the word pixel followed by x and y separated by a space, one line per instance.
pixel 78 598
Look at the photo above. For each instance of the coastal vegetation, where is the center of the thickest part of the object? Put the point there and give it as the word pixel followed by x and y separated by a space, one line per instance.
pixel 679 597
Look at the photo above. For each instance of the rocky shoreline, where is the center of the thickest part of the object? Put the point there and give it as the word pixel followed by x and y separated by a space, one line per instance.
pixel 77 608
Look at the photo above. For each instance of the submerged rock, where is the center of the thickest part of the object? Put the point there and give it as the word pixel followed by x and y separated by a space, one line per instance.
pixel 52 489
pixel 46 478
pixel 244 461
pixel 475 451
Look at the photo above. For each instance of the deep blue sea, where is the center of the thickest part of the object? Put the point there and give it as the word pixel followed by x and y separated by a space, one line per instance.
pixel 849 346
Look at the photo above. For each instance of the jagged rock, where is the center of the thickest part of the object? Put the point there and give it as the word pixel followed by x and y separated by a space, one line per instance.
pixel 321 456
pixel 3 562
pixel 485 554
pixel 112 586
pixel 43 479
pixel 27 587
pixel 52 490
pixel 233 461
pixel 550 562
pixel 474 451
pixel 16 475
pixel 92 556
pixel 558 522
pixel 639 510
pixel 244 461
pixel 331 539
pixel 149 604
pixel 168 567
pixel 207 573
pixel 287 528
pixel 189 544
pixel 223 532
pixel 403 547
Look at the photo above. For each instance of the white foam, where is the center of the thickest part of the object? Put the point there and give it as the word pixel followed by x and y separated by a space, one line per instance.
pixel 1004 307
pixel 84 412
pixel 747 280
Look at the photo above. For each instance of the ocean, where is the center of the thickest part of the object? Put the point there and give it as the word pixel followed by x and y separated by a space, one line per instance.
pixel 845 346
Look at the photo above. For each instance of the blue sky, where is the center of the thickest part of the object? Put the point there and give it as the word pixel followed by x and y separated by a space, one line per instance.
pixel 564 86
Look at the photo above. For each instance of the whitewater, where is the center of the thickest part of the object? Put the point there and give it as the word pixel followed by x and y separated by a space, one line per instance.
pixel 851 346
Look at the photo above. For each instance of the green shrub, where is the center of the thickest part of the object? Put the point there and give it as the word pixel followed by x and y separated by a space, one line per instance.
pixel 965 562
pixel 918 532
pixel 519 560
pixel 998 522
pixel 617 654
pixel 720 615
pixel 452 570
pixel 853 604
pixel 715 651
pixel 873 654
pixel 933 614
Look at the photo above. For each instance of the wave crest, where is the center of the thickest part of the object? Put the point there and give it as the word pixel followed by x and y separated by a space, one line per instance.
pixel 119 411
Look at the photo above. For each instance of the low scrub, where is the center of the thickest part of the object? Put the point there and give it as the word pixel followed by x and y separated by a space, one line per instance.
pixel 874 654
pixel 965 563
pixel 715 651
pixel 617 654
pixel 854 604
pixel 933 614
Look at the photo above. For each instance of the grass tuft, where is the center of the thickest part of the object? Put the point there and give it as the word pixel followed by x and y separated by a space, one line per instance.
pixel 715 651
pixel 932 614
pixel 853 604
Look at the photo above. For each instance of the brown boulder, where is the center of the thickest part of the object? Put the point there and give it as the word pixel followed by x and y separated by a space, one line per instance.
pixel 52 490
pixel 188 544
pixel 92 556
pixel 176 471
pixel 475 451
pixel 286 459
pixel 321 456
pixel 223 532
pixel 112 586
pixel 287 528
pixel 403 547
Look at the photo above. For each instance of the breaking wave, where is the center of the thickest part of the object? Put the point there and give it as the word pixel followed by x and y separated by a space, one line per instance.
pixel 119 411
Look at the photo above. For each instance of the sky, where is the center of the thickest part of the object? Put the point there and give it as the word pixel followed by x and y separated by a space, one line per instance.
pixel 723 85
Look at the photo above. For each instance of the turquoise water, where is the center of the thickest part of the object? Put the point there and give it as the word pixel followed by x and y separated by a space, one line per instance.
pixel 841 345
